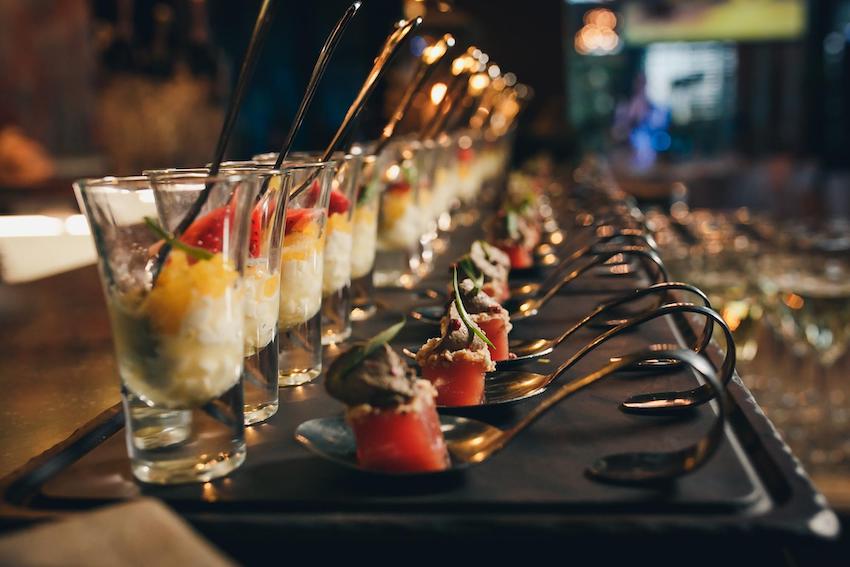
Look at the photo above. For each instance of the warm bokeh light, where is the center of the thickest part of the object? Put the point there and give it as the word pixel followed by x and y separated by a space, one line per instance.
pixel 597 36
pixel 438 92
pixel 460 64
pixel 602 17
pixel 393 172
pixel 432 53
pixel 477 83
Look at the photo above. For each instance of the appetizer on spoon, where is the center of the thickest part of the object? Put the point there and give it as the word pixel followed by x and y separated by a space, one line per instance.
pixel 471 442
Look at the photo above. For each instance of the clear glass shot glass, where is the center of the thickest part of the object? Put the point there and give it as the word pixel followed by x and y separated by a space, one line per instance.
pixel 262 286
pixel 302 272
pixel 445 182
pixel 400 227
pixel 365 228
pixel 425 155
pixel 177 311
pixel 336 280
pixel 339 241
pixel 469 175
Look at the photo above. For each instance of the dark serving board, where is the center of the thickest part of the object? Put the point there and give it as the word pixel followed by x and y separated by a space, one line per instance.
pixel 535 489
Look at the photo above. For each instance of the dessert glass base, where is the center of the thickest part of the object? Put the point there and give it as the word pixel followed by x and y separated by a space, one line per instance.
pixel 260 383
pixel 156 428
pixel 300 353
pixel 336 316
pixel 177 471
pixel 363 292
pixel 398 268
pixel 187 445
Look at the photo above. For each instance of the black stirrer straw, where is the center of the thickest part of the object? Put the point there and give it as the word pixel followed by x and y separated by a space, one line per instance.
pixel 318 72
pixel 258 36
pixel 390 47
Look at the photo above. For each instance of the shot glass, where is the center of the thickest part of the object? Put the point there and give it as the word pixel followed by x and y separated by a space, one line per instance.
pixel 336 280
pixel 444 199
pixel 365 229
pixel 425 156
pixel 400 227
pixel 302 272
pixel 176 309
pixel 262 286
pixel 339 240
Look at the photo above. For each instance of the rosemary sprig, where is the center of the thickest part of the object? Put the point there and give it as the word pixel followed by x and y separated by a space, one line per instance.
pixel 464 316
pixel 193 251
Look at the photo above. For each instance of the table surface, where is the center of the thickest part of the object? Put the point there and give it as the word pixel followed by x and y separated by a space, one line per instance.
pixel 58 373
pixel 57 369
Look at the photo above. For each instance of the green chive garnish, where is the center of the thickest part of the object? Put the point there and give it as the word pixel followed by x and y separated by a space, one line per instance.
pixel 193 251
pixel 464 316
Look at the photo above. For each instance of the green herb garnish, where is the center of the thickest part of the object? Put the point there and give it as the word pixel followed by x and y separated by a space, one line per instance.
pixel 472 272
pixel 512 224
pixel 350 359
pixel 193 251
pixel 464 316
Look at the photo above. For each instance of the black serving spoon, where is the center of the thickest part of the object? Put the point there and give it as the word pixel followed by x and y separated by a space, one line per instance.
pixel 529 351
pixel 627 236
pixel 472 442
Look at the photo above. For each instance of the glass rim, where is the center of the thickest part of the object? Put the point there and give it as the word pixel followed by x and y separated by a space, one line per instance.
pixel 112 183
pixel 224 172
pixel 287 164
pixel 197 175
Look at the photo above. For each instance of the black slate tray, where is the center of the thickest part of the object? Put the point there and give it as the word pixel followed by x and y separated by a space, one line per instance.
pixel 535 490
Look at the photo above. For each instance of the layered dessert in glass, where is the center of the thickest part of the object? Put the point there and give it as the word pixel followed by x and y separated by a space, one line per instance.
pixel 176 305
pixel 400 225
pixel 365 242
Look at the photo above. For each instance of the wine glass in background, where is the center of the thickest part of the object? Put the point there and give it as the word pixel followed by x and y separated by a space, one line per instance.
pixel 806 286
pixel 710 249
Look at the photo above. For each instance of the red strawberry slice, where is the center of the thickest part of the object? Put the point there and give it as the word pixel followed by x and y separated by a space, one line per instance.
pixel 399 187
pixel 465 154
pixel 297 220
pixel 256 232
pixel 207 231
pixel 339 203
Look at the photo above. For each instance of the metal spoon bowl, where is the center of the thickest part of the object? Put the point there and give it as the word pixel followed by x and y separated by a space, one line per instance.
pixel 471 442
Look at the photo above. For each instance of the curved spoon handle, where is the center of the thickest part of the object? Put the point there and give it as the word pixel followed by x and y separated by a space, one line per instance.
pixel 664 402
pixel 388 50
pixel 444 109
pixel 643 467
pixel 662 290
pixel 598 259
pixel 629 236
pixel 318 72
